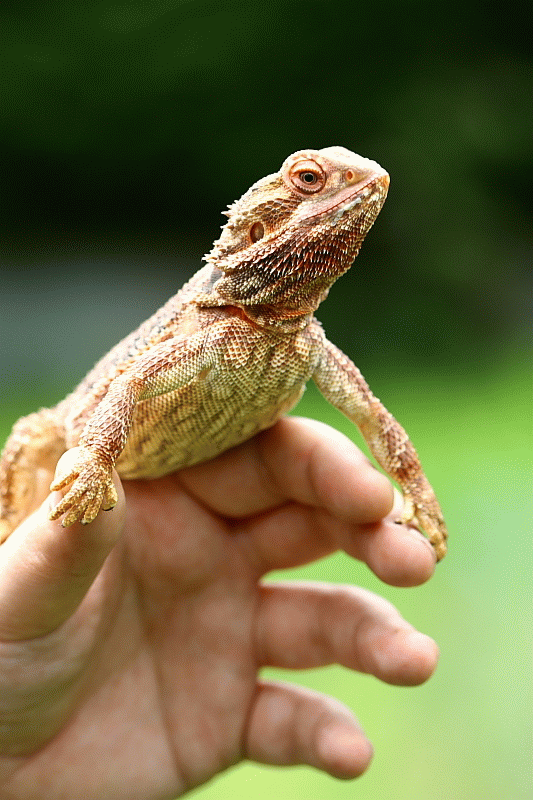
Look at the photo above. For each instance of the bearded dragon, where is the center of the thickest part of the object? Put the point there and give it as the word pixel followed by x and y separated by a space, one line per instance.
pixel 227 355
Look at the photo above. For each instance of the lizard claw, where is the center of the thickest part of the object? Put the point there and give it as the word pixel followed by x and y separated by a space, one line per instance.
pixel 422 510
pixel 92 487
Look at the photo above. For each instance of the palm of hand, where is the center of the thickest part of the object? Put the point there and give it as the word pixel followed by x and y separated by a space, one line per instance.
pixel 146 684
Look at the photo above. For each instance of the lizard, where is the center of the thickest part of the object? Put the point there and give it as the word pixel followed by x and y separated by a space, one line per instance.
pixel 226 356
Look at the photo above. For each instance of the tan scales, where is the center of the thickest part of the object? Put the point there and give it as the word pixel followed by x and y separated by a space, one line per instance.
pixel 227 355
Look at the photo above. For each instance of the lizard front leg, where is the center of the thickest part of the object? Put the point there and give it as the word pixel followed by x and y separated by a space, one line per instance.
pixel 343 386
pixel 87 468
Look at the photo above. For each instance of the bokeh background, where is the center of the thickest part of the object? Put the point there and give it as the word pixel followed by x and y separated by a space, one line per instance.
pixel 127 126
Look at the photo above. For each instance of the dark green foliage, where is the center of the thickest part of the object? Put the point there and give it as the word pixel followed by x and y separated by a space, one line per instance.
pixel 144 119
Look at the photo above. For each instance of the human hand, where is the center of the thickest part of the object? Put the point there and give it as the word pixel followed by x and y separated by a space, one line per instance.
pixel 130 647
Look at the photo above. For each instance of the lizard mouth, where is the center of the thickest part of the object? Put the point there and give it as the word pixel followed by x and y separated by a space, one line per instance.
pixel 347 199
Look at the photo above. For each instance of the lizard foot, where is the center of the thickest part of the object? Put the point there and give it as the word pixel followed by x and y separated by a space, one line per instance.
pixel 422 510
pixel 92 487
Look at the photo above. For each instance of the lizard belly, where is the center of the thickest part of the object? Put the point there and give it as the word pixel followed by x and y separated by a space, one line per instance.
pixel 212 413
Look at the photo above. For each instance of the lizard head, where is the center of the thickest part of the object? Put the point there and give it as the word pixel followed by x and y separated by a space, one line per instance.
pixel 294 232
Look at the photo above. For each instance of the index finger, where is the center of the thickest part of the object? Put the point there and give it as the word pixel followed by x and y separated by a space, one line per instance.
pixel 302 490
pixel 298 460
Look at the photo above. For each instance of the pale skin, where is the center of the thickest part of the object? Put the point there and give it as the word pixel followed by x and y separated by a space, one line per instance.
pixel 130 648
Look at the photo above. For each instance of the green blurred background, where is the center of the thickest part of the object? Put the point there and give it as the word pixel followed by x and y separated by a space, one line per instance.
pixel 126 127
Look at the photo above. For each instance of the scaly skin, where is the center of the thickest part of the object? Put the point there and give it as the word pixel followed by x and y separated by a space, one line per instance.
pixel 227 355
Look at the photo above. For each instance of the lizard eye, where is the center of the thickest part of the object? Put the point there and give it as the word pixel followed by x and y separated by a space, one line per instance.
pixel 307 176
pixel 257 231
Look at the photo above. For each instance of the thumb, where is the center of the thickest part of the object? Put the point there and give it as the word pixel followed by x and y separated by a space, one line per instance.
pixel 46 569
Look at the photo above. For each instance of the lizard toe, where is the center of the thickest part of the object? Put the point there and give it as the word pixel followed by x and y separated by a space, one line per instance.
pixel 110 498
pixel 92 506
pixel 67 469
pixel 69 505
pixel 433 526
